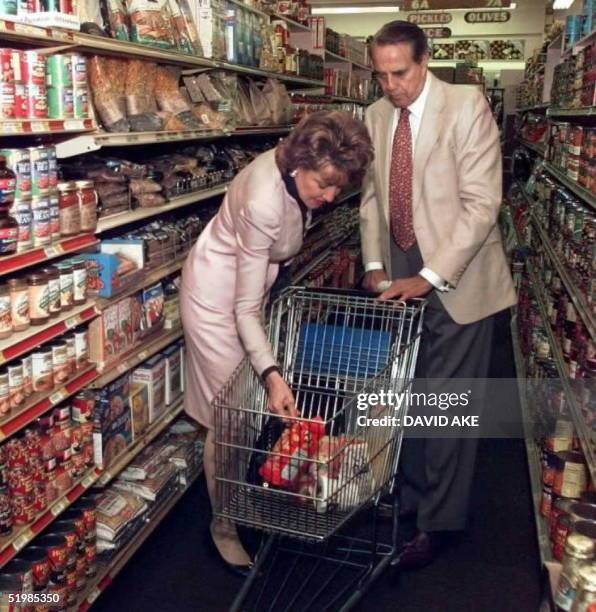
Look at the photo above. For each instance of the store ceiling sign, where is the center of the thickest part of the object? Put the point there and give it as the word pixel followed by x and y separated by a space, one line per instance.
pixel 487 16
pixel 439 5
pixel 437 32
pixel 430 18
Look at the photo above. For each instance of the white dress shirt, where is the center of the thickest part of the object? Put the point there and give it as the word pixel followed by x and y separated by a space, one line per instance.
pixel 416 110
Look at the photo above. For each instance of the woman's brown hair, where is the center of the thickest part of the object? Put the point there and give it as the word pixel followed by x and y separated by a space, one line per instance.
pixel 327 137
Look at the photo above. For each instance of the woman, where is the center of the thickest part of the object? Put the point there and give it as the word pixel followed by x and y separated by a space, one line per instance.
pixel 235 261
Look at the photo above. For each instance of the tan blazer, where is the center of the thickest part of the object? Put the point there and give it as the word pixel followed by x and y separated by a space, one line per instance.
pixel 457 194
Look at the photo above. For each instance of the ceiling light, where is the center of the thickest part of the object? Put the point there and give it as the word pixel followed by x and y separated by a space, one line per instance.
pixel 562 5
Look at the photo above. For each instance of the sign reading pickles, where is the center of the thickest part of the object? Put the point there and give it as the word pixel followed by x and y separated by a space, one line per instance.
pixel 487 17
pixel 438 5
pixel 430 18
pixel 437 32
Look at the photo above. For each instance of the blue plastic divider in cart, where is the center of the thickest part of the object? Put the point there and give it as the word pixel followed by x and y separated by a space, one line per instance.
pixel 339 350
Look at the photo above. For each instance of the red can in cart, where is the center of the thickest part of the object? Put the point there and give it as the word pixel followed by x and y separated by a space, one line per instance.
pixel 33 67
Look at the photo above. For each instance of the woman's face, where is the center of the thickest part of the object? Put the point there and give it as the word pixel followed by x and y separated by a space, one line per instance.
pixel 321 186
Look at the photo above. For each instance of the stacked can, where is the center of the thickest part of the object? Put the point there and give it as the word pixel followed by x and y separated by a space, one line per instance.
pixel 30 89
pixel 59 82
pixel 80 92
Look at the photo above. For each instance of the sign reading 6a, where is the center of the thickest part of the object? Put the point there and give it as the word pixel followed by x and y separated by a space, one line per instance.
pixel 437 5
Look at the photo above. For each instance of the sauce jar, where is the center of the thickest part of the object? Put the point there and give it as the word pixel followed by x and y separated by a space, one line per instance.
pixel 88 205
pixel 43 378
pixel 79 274
pixel 4 393
pixel 39 298
pixel 81 348
pixel 54 206
pixel 40 221
pixel 53 275
pixel 66 286
pixel 5 314
pixel 71 355
pixel 19 303
pixel 28 375
pixel 9 231
pixel 59 363
pixel 70 214
pixel 8 183
pixel 15 384
pixel 579 551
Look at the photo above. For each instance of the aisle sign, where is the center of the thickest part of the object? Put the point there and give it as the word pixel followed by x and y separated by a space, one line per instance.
pixel 487 17
pixel 430 18
pixel 437 32
pixel 438 5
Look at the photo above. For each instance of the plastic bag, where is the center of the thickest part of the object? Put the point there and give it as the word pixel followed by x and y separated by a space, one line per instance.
pixel 145 200
pixel 183 27
pixel 245 110
pixel 262 112
pixel 107 88
pixel 279 101
pixel 139 186
pixel 212 119
pixel 118 20
pixel 167 94
pixel 151 23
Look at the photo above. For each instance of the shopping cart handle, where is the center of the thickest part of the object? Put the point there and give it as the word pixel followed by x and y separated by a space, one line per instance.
pixel 334 291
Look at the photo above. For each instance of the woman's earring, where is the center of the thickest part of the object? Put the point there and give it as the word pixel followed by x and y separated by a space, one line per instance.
pixel 293 173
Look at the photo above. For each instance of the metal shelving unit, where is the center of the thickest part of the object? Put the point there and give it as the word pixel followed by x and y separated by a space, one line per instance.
pixel 589 111
pixel 587 196
pixel 41 127
pixel 539 149
pixel 535 107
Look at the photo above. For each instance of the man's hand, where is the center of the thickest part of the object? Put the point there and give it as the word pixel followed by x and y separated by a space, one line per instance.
pixel 406 289
pixel 373 278
pixel 280 396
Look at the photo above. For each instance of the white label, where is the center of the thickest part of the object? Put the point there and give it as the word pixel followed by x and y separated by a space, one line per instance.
pixel 23 540
pixel 59 507
pixel 57 397
pixel 88 481
pixel 73 321
pixel 95 593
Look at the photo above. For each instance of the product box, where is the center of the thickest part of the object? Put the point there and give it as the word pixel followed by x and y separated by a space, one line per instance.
pixel 173 374
pixel 153 300
pixel 442 51
pixel 130 250
pixel 112 422
pixel 152 374
pixel 108 275
pixel 210 24
pixel 445 73
pixel 139 407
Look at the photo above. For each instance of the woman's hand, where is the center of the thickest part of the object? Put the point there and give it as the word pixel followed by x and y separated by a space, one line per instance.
pixel 281 399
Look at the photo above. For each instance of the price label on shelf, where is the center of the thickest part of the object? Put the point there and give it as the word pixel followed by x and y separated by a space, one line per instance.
pixel 71 124
pixel 73 321
pixel 40 126
pixel 132 138
pixel 95 593
pixel 143 355
pixel 23 540
pixel 58 396
pixel 53 251
pixel 123 367
pixel 59 507
pixel 88 480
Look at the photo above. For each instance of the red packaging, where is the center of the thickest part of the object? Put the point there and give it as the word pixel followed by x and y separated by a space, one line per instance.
pixel 7 100
pixel 7 65
pixel 289 457
pixel 37 101
pixel 57 550
pixel 33 67
pixel 20 481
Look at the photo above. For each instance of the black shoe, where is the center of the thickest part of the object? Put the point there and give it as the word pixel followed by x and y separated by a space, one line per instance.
pixel 417 553
pixel 238 570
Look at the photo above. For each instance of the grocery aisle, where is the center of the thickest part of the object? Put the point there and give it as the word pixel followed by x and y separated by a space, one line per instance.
pixel 495 563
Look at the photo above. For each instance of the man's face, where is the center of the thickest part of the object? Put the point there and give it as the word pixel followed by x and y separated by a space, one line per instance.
pixel 401 78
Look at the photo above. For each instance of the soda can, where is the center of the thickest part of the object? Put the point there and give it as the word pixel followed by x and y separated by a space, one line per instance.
pixel 40 171
pixel 52 167
pixel 60 102
pixel 59 71
pixel 78 65
pixel 33 67
pixel 81 103
pixel 7 101
pixel 37 101
pixel 18 161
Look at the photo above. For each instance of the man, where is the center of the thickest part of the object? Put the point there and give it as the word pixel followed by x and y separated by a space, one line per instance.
pixel 429 224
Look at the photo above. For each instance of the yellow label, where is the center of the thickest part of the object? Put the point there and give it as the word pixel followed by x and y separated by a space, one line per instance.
pixel 23 540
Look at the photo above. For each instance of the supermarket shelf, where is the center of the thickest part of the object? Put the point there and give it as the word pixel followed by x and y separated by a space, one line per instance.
pixel 588 111
pixel 295 26
pixel 313 263
pixel 39 127
pixel 350 100
pixel 249 8
pixel 108 223
pixel 579 45
pixel 578 190
pixel 581 426
pixel 147 278
pixel 140 444
pixel 540 149
pixel 21 342
pixel 39 403
pixel 11 545
pixel 108 571
pixel 575 294
pixel 533 456
pixel 333 57
pixel 288 78
pixel 137 355
pixel 18 261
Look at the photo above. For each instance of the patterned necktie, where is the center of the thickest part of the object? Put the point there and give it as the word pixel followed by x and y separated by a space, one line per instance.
pixel 400 184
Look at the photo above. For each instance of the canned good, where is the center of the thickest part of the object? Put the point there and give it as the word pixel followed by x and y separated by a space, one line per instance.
pixel 81 349
pixel 579 551
pixel 56 546
pixel 8 66
pixel 40 170
pixel 52 167
pixel 88 508
pixel 21 101
pixel 78 64
pixel 88 205
pixel 70 214
pixel 23 509
pixel 19 304
pixel 585 600
pixel 40 565
pixel 7 101
pixel 60 102
pixel 71 355
pixel 4 393
pixel 59 70
pixel 40 221
pixel 15 384
pixel 18 161
pixel 37 106
pixel 59 363
pixel 80 103
pixel 20 481
pixel 33 67
pixel 21 212
pixel 39 298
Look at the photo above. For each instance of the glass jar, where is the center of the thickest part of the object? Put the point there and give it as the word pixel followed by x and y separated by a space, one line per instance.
pixel 40 223
pixel 87 205
pixel 579 551
pixel 66 286
pixel 71 353
pixel 28 375
pixel 43 376
pixel 53 275
pixel 9 232
pixel 4 392
pixel 15 384
pixel 70 214
pixel 19 303
pixel 39 298
pixel 79 275
pixel 5 312
pixel 54 206
pixel 59 363
pixel 8 183
pixel 81 348
pixel 586 589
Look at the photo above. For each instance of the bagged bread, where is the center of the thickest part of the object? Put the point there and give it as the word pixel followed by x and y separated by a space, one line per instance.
pixel 262 112
pixel 279 101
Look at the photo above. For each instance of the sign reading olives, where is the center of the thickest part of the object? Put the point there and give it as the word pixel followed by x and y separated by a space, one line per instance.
pixel 430 18
pixel 437 5
pixel 487 17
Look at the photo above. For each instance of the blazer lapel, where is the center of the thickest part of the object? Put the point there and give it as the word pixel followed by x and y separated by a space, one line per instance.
pixel 430 128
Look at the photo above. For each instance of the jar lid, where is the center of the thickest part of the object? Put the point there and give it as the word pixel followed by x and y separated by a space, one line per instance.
pixel 37 277
pixel 64 266
pixel 579 546
pixel 85 184
pixel 586 578
pixel 49 271
pixel 68 186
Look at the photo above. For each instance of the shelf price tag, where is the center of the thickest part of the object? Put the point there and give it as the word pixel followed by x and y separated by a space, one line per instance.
pixel 88 481
pixel 73 321
pixel 58 396
pixel 59 507
pixel 23 540
pixel 95 593
pixel 40 126
pixel 123 367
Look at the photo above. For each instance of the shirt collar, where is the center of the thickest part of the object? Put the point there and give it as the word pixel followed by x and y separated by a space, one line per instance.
pixel 417 107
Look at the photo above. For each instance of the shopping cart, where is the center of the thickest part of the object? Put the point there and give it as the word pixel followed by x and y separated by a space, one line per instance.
pixel 303 480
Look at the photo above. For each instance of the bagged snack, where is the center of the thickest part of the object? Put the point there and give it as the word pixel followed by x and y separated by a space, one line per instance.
pixel 117 19
pixel 151 23
pixel 141 105
pixel 181 27
pixel 244 104
pixel 167 93
pixel 138 186
pixel 262 112
pixel 107 88
pixel 146 200
pixel 279 101
pixel 212 119
pixel 289 458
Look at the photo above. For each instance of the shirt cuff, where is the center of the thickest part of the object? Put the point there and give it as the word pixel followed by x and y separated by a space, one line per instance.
pixel 434 279
pixel 373 265
pixel 268 371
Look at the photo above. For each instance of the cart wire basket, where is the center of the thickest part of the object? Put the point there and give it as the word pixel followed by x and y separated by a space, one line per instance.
pixel 302 480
